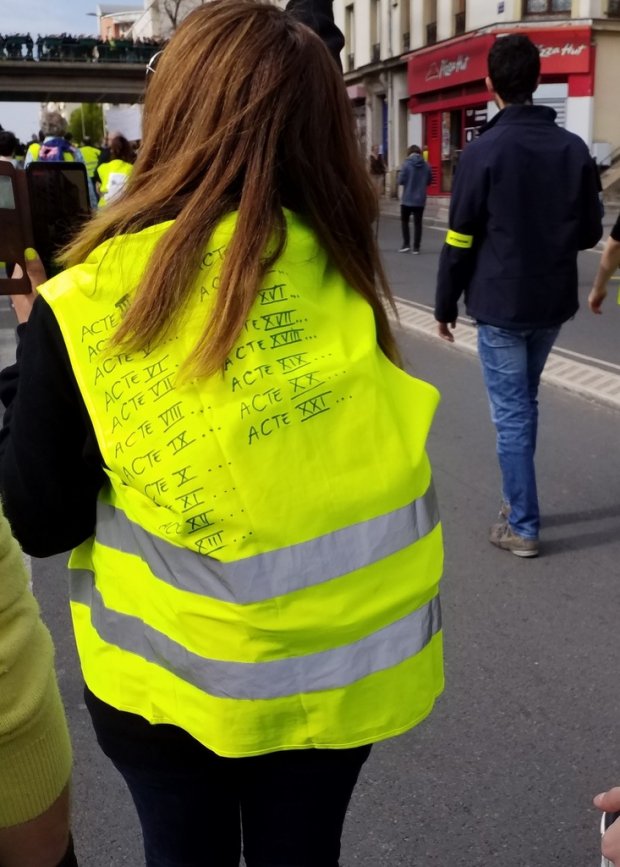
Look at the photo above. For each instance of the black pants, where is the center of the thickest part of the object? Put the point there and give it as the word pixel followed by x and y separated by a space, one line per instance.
pixel 405 212
pixel 69 859
pixel 194 805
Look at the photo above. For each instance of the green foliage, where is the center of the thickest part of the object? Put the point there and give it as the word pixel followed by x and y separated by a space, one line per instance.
pixel 93 123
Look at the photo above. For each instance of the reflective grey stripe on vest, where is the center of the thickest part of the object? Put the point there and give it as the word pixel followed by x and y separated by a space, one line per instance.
pixel 330 669
pixel 273 573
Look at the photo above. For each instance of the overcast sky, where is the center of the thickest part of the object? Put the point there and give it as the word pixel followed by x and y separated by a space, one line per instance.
pixel 41 17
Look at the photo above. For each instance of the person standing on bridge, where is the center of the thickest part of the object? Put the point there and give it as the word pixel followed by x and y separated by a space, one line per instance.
pixel 524 202
pixel 214 385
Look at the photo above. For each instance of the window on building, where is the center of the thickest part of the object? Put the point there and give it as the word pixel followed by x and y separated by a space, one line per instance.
pixel 375 30
pixel 349 36
pixel 460 17
pixel 613 9
pixel 430 21
pixel 405 24
pixel 547 7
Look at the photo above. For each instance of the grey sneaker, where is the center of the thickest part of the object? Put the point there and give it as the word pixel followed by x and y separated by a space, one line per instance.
pixel 504 511
pixel 503 536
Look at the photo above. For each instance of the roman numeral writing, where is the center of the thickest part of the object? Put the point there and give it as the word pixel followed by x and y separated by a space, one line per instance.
pixel 272 294
pixel 157 369
pixel 180 442
pixel 172 415
pixel 281 319
pixel 161 387
pixel 123 303
pixel 209 544
pixel 182 476
pixel 190 499
pixel 304 383
pixel 285 338
pixel 313 406
pixel 293 362
pixel 199 522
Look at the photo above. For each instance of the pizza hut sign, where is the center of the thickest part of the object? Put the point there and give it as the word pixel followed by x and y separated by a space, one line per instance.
pixel 569 48
pixel 563 50
pixel 447 68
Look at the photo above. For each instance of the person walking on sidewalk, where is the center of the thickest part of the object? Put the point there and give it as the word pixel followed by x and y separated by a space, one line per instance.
pixel 524 202
pixel 414 177
pixel 610 262
pixel 212 382
pixel 377 168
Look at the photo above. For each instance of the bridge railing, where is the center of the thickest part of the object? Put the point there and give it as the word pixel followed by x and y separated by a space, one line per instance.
pixel 77 49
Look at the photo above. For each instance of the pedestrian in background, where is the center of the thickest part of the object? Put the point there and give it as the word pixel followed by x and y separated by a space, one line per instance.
pixel 214 386
pixel 610 262
pixel 90 155
pixel 524 202
pixel 54 146
pixel 110 177
pixel 378 169
pixel 8 147
pixel 414 177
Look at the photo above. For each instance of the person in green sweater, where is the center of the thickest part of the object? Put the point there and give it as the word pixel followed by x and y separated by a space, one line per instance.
pixel 35 751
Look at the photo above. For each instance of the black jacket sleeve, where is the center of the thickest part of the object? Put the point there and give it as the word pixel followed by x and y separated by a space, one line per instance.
pixel 467 219
pixel 50 465
pixel 318 15
pixel 591 230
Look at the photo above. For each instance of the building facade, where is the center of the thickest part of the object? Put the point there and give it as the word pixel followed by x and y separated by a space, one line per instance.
pixel 151 19
pixel 415 72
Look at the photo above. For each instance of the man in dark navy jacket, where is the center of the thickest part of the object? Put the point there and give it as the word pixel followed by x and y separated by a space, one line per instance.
pixel 524 203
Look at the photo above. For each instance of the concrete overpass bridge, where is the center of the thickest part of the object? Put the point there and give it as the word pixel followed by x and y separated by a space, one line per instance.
pixel 71 81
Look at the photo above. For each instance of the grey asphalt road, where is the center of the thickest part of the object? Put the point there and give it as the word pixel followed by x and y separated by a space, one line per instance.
pixel 414 277
pixel 527 730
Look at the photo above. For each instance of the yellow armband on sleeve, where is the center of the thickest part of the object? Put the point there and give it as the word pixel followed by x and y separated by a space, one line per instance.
pixel 456 239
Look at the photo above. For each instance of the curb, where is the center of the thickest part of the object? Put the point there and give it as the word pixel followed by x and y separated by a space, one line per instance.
pixel 594 383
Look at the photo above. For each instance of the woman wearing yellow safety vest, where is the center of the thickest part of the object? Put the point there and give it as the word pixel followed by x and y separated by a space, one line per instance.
pixel 111 177
pixel 214 384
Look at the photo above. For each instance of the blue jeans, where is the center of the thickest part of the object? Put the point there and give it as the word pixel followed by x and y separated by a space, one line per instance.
pixel 512 362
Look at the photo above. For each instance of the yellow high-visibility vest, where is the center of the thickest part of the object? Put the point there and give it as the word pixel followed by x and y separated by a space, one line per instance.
pixel 90 155
pixel 113 176
pixel 35 149
pixel 264 572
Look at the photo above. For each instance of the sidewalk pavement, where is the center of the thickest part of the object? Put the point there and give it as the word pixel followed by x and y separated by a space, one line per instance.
pixel 437 210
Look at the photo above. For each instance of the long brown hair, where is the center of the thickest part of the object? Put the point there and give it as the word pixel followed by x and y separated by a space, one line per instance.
pixel 245 111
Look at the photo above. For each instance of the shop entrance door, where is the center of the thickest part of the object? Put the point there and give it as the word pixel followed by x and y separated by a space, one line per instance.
pixel 451 145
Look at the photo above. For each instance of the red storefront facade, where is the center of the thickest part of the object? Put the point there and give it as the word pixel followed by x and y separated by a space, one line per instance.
pixel 447 87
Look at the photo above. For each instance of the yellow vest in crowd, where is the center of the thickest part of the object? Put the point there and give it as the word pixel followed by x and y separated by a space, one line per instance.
pixel 113 176
pixel 90 155
pixel 265 568
pixel 34 150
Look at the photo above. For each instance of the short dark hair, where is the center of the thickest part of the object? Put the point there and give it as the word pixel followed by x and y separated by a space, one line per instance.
pixel 120 149
pixel 8 143
pixel 414 149
pixel 514 68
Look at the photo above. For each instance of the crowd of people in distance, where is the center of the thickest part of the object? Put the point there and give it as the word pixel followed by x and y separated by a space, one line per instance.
pixel 108 164
pixel 82 48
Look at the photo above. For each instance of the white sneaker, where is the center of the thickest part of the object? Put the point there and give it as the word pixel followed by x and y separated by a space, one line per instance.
pixel 405 250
